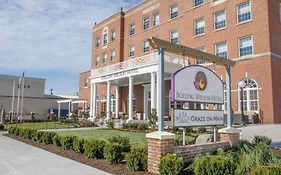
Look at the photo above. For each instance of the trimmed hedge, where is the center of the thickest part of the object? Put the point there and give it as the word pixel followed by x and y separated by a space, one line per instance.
pixel 136 160
pixel 123 141
pixel 1 127
pixel 214 165
pixel 274 169
pixel 94 148
pixel 56 140
pixel 113 152
pixel 78 145
pixel 67 142
pixel 47 137
pixel 171 164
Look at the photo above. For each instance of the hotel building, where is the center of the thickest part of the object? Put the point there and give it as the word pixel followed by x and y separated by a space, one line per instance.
pixel 123 75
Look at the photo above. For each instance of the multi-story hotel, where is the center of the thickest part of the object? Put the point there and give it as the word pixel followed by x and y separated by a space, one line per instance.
pixel 123 75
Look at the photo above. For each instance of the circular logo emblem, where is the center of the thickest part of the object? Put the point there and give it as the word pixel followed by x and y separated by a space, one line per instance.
pixel 200 82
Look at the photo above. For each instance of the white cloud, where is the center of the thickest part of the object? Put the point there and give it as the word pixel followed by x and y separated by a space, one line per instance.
pixel 44 35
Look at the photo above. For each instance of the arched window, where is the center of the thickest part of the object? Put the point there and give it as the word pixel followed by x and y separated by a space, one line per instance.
pixel 250 96
pixel 105 36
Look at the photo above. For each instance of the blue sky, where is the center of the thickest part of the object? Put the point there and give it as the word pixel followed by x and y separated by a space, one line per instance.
pixel 51 38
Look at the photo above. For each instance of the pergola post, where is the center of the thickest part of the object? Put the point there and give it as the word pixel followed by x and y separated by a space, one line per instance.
pixel 161 91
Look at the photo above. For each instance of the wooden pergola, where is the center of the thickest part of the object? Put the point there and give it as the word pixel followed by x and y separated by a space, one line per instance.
pixel 162 45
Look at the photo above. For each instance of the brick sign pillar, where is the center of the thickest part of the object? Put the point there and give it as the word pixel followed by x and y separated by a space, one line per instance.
pixel 231 135
pixel 159 144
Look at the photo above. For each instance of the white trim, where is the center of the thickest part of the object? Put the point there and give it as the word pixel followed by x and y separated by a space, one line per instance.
pixel 252 40
pixel 214 20
pixel 237 18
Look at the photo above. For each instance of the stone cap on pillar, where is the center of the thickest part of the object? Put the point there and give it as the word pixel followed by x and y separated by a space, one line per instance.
pixel 161 135
pixel 231 130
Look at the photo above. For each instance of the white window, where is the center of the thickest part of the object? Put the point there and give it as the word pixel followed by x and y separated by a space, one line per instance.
pixel 104 58
pixel 113 35
pixel 131 51
pixel 199 25
pixel 97 60
pixel 132 30
pixel 112 55
pixel 86 82
pixel 198 2
pixel 156 19
pixel 219 20
pixel 112 104
pixel 174 37
pixel 245 46
pixel 221 50
pixel 145 47
pixel 250 96
pixel 145 23
pixel 173 11
pixel 244 12
pixel 105 36
pixel 198 61
pixel 98 42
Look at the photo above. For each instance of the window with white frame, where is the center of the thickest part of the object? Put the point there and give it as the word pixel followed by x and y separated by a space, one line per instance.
pixel 131 51
pixel 198 2
pixel 98 42
pixel 221 50
pixel 112 55
pixel 244 12
pixel 219 20
pixel 145 47
pixel 104 58
pixel 97 60
pixel 250 95
pixel 156 19
pixel 113 35
pixel 145 23
pixel 112 104
pixel 280 11
pixel 132 29
pixel 105 36
pixel 198 61
pixel 173 11
pixel 199 26
pixel 86 82
pixel 246 46
pixel 174 37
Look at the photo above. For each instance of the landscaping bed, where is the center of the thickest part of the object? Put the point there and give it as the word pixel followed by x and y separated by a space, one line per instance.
pixel 102 164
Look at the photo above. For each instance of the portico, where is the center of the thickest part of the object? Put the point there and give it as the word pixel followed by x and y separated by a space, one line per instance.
pixel 136 80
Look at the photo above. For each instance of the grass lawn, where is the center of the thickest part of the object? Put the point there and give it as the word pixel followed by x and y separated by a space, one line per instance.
pixel 136 138
pixel 41 125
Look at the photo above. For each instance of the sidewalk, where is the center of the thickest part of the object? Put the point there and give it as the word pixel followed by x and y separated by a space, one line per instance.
pixel 17 158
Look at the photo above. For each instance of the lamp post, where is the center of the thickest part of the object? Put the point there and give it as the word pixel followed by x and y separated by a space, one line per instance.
pixel 241 85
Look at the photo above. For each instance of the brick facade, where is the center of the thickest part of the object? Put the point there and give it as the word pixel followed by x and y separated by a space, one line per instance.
pixel 263 65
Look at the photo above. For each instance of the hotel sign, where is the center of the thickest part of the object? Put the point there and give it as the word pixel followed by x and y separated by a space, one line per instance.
pixel 197 118
pixel 197 84
pixel 120 74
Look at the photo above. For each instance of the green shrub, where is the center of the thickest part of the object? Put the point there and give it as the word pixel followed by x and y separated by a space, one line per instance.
pixel 263 139
pixel 110 125
pixel 113 152
pixel 67 142
pixel 78 145
pixel 171 164
pixel 201 130
pixel 131 126
pixel 21 132
pixel 11 130
pixel 56 140
pixel 123 141
pixel 1 127
pixel 16 131
pixel 273 169
pixel 39 136
pixel 179 140
pixel 142 127
pixel 47 137
pixel 214 165
pixel 152 118
pixel 94 148
pixel 136 160
pixel 29 133
pixel 33 134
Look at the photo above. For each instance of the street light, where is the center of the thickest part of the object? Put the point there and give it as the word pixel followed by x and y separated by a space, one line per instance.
pixel 241 85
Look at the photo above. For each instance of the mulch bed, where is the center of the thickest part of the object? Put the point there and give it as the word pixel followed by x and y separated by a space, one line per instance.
pixel 277 153
pixel 102 164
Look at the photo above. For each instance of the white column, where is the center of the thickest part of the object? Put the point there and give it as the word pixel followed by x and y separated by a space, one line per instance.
pixel 116 101
pixel 158 86
pixel 58 110
pixel 153 91
pixel 145 103
pixel 69 108
pixel 131 89
pixel 108 102
pixel 93 102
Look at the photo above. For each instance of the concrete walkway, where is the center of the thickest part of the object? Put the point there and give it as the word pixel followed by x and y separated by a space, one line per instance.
pixel 17 158
pixel 271 131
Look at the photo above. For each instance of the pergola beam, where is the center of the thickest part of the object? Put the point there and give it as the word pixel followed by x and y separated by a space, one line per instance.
pixel 156 43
